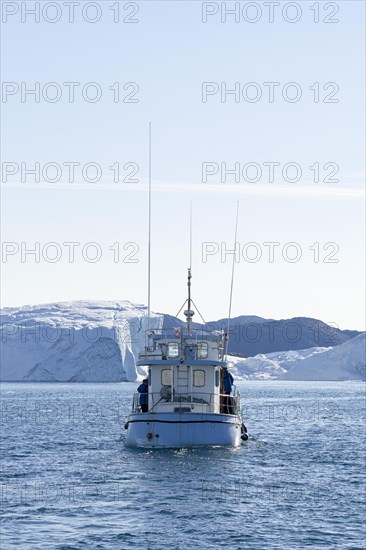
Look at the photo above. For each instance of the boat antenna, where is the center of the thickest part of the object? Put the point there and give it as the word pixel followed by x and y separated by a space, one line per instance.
pixel 189 312
pixel 190 235
pixel 232 279
pixel 149 241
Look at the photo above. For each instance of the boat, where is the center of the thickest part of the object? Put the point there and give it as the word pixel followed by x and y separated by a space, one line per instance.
pixel 184 402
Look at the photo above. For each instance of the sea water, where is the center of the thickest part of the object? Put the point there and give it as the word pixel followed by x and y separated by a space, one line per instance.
pixel 70 482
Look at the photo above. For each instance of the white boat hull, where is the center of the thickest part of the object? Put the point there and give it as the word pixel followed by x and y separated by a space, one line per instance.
pixel 176 430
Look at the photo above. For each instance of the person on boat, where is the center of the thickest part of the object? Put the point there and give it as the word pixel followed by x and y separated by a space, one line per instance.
pixel 143 390
pixel 228 381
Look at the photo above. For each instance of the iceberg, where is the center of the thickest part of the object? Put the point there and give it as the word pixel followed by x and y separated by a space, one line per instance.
pixel 346 361
pixel 74 341
pixel 99 341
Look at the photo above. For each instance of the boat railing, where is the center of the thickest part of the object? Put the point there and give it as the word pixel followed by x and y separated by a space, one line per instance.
pixel 229 404
pixel 177 334
pixel 136 407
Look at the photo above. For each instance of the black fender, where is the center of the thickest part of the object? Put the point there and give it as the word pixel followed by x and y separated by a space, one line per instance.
pixel 244 432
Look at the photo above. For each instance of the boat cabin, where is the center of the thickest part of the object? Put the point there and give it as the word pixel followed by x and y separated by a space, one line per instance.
pixel 184 371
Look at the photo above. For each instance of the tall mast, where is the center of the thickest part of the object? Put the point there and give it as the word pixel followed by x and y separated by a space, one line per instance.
pixel 149 241
pixel 232 279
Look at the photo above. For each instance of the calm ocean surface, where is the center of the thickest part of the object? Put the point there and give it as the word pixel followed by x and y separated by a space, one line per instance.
pixel 69 481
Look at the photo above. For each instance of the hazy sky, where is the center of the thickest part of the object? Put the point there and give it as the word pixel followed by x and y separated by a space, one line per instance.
pixel 291 132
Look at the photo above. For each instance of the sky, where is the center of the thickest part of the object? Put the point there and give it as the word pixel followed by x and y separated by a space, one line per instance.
pixel 286 140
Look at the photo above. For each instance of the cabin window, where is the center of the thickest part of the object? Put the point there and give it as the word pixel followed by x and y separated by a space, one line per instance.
pixel 149 377
pixel 202 350
pixel 166 377
pixel 198 377
pixel 217 378
pixel 173 349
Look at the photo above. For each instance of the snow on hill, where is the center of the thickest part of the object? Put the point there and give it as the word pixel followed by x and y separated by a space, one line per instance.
pixel 91 341
pixel 259 367
pixel 344 362
pixel 270 366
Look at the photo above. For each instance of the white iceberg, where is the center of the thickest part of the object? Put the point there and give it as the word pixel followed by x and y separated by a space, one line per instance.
pixel 74 341
pixel 99 341
pixel 344 362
